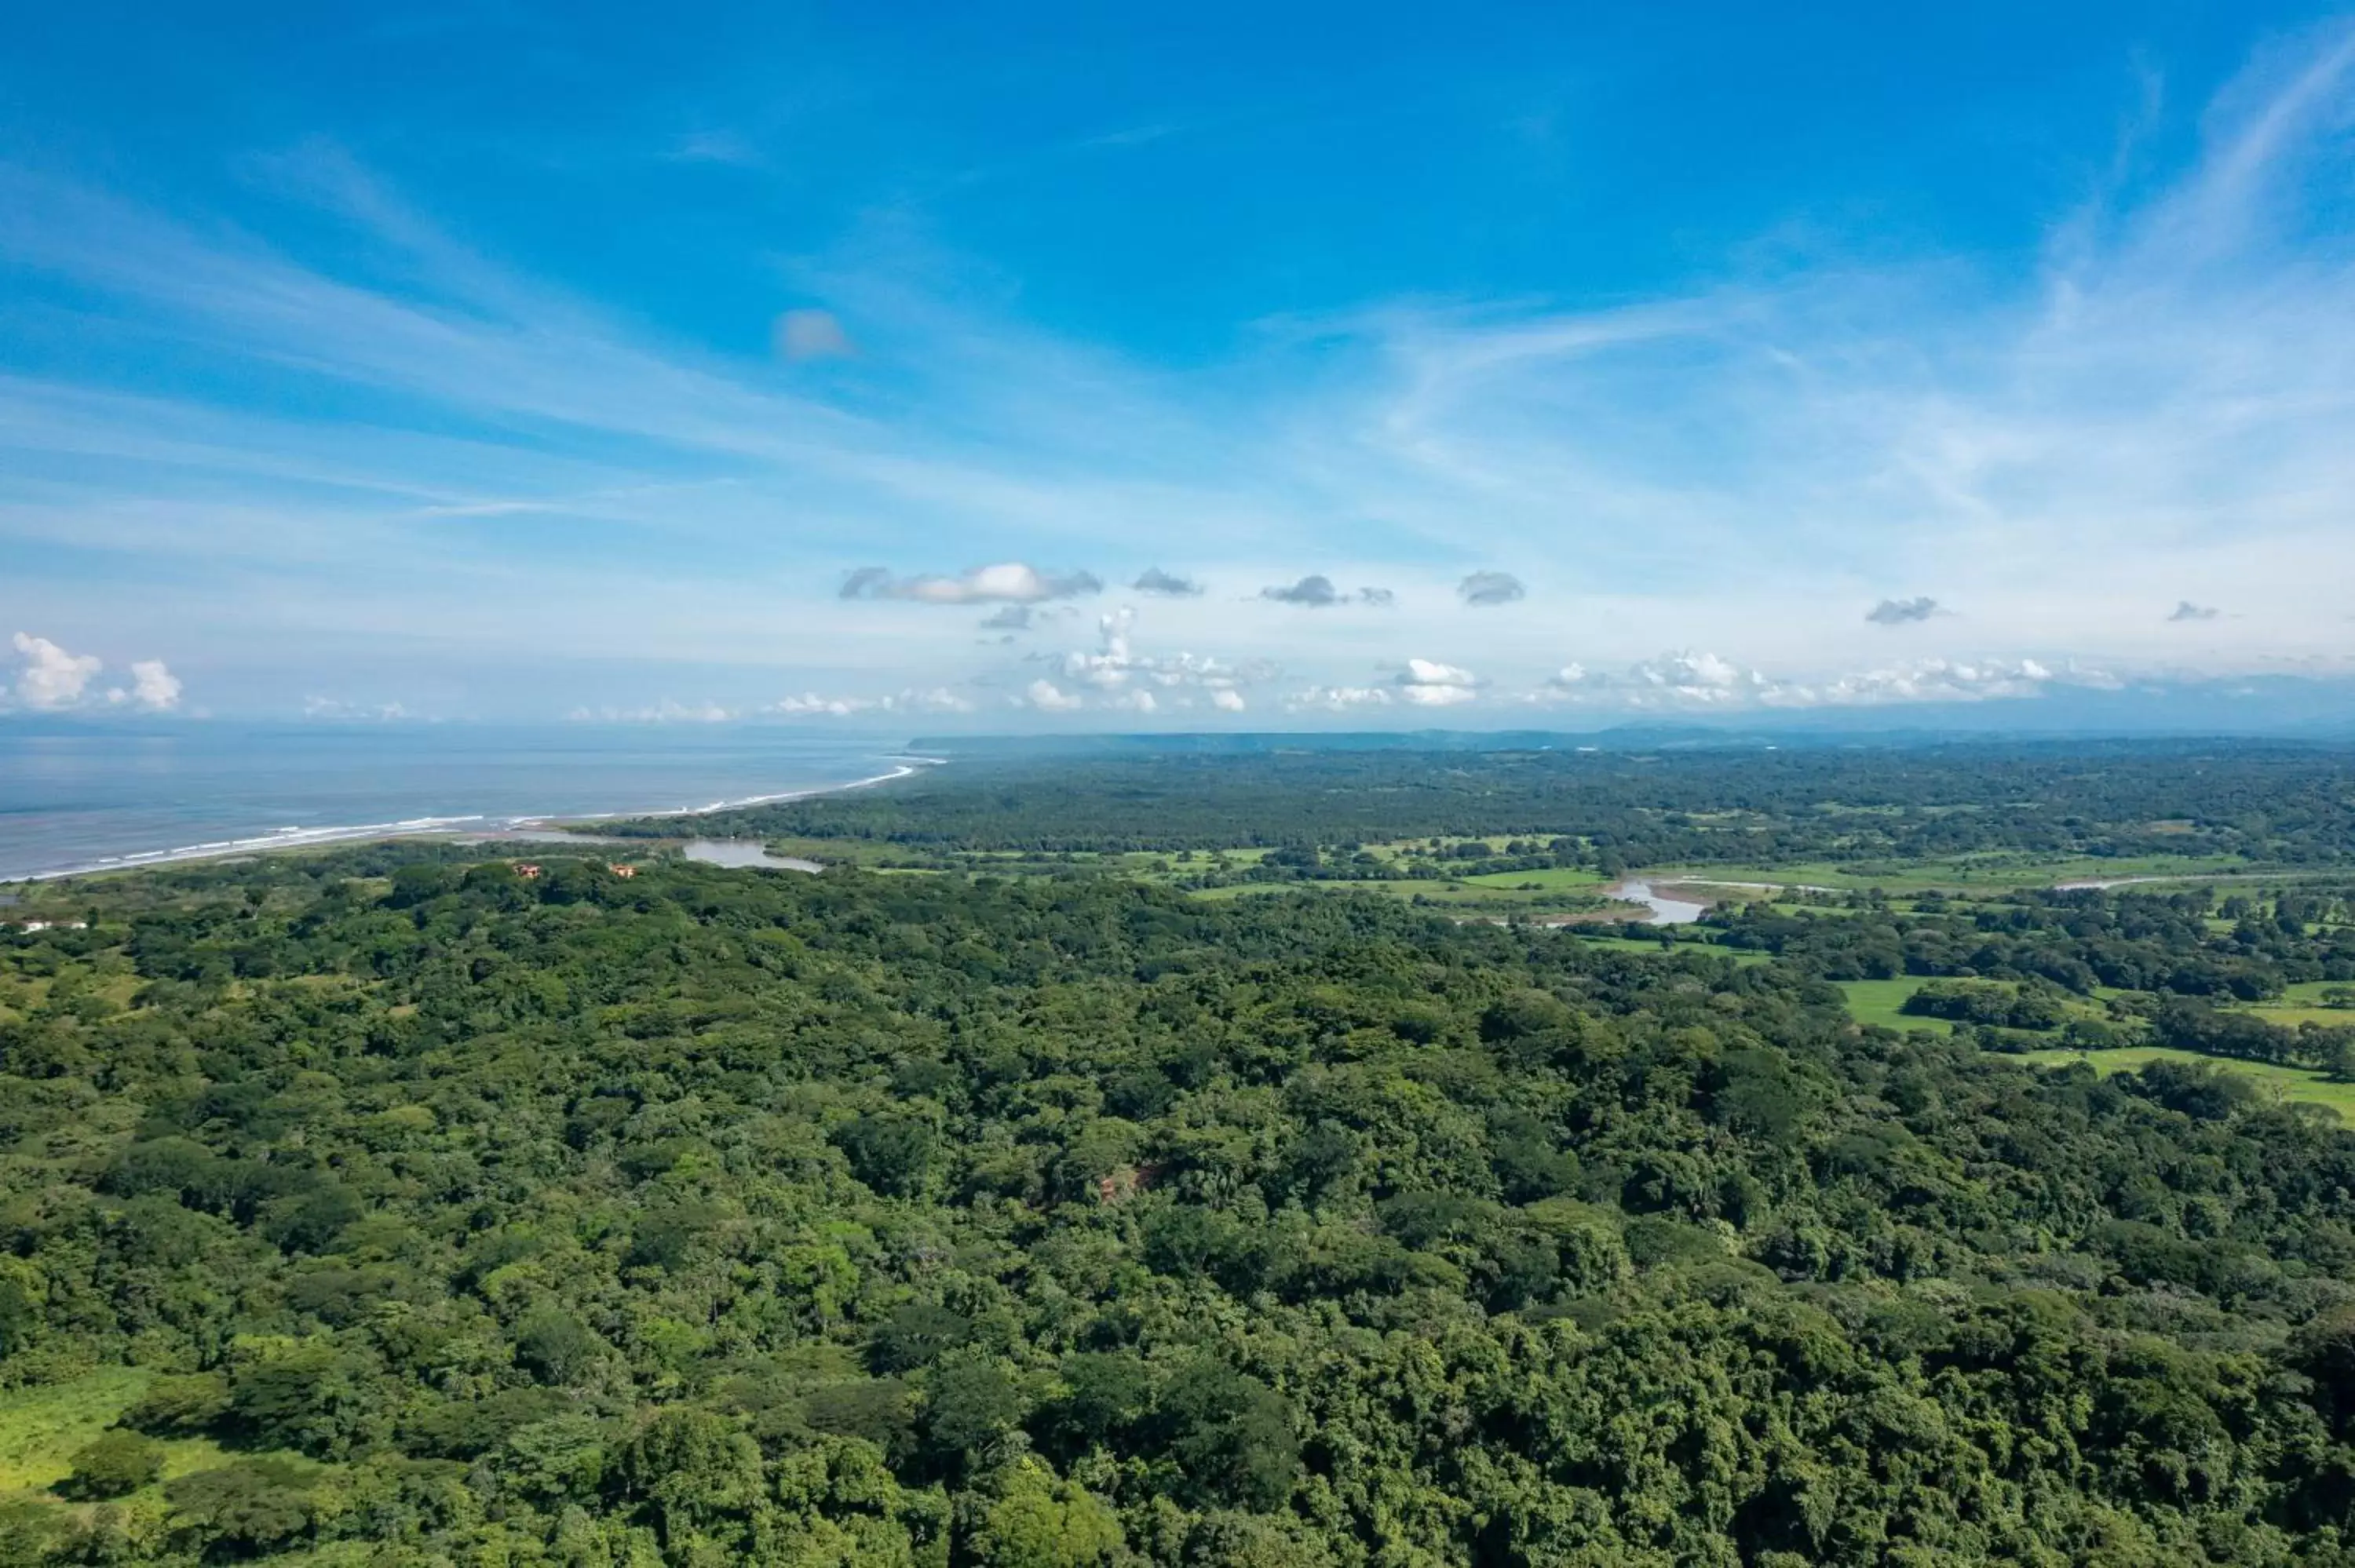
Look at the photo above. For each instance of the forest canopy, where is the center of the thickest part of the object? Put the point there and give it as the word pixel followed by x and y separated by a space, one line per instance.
pixel 392 1206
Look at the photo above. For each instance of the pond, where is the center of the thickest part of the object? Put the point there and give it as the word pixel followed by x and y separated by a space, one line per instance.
pixel 744 853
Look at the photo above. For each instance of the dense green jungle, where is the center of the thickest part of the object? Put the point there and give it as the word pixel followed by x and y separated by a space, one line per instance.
pixel 434 1204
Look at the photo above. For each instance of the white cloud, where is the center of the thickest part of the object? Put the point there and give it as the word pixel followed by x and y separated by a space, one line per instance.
pixel 1050 698
pixel 153 684
pixel 50 677
pixel 1337 699
pixel 1673 680
pixel 809 704
pixel 1114 663
pixel 1009 582
pixel 1935 680
pixel 666 711
pixel 1705 680
pixel 1227 701
pixel 1427 683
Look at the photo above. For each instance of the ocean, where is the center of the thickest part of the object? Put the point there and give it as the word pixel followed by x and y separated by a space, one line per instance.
pixel 103 795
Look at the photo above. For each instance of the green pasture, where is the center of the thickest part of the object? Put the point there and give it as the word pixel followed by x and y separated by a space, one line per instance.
pixel 1993 871
pixel 42 1428
pixel 2295 1084
pixel 1879 1001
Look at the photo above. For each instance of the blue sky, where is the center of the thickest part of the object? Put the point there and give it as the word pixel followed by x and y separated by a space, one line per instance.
pixel 1077 365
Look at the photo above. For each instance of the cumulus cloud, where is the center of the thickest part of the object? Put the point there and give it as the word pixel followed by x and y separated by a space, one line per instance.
pixel 810 704
pixel 1902 612
pixel 1048 699
pixel 803 335
pixel 1685 679
pixel 664 712
pixel 1693 680
pixel 1316 591
pixel 1013 618
pixel 50 677
pixel 1338 699
pixel 1009 582
pixel 1115 664
pixel 1426 684
pixel 153 684
pixel 1167 583
pixel 2187 610
pixel 1933 681
pixel 1482 588
pixel 1228 701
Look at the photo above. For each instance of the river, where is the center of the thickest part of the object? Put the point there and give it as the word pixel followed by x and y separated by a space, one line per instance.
pixel 1665 911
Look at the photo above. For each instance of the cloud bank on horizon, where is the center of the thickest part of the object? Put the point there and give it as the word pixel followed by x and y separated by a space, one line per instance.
pixel 309 401
pixel 49 679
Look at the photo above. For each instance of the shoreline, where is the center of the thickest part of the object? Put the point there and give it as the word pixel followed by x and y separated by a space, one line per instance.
pixel 541 829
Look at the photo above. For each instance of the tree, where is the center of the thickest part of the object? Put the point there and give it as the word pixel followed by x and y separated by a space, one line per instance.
pixel 112 1464
pixel 1231 1434
pixel 970 1407
pixel 1038 1521
pixel 249 1507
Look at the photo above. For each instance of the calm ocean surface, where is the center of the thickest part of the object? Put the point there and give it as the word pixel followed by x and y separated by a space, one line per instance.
pixel 82 799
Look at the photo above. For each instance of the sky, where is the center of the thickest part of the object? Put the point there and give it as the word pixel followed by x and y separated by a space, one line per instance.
pixel 1053 366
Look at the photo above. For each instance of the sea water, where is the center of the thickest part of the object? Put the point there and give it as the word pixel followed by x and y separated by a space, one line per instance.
pixel 100 797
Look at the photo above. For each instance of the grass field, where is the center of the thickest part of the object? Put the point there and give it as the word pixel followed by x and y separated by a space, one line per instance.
pixel 1470 897
pixel 2301 1002
pixel 2290 1084
pixel 1964 873
pixel 1877 1001
pixel 1881 1001
pixel 1550 880
pixel 1643 945
pixel 42 1428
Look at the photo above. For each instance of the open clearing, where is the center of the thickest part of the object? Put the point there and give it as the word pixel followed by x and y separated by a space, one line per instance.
pixel 42 1428
pixel 1963 874
pixel 2291 1083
